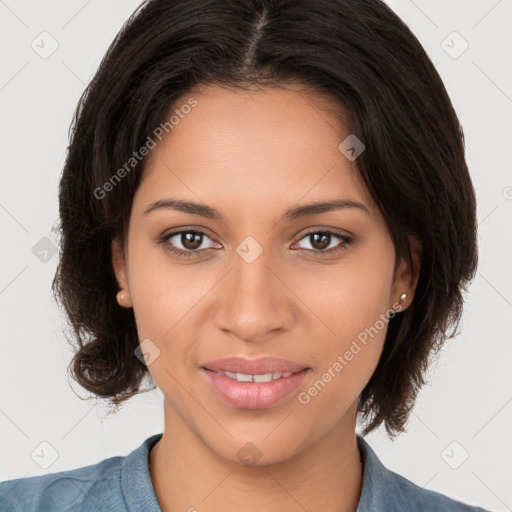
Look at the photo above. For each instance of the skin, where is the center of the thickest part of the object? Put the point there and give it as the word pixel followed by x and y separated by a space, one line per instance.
pixel 252 155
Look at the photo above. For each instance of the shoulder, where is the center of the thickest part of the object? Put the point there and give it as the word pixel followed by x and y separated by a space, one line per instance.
pixel 116 484
pixel 94 487
pixel 425 500
pixel 384 489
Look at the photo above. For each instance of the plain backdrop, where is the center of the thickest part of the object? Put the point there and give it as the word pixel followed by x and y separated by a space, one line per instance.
pixel 459 435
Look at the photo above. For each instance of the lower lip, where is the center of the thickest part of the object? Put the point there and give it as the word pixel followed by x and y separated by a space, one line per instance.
pixel 254 395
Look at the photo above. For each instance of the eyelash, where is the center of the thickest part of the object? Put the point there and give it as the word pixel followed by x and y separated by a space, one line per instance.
pixel 192 253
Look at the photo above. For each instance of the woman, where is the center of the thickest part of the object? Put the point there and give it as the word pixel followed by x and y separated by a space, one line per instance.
pixel 267 213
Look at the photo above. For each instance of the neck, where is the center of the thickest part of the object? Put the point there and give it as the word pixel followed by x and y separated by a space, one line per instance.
pixel 188 475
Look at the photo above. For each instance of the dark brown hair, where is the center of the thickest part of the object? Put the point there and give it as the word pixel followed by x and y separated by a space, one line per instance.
pixel 357 52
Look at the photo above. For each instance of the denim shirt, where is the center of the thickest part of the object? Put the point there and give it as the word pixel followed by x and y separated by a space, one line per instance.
pixel 123 483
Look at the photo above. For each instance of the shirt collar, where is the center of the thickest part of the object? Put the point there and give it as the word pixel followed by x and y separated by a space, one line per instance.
pixel 136 481
pixel 378 483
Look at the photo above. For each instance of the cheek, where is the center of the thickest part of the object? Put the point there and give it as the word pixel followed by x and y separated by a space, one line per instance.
pixel 163 294
pixel 345 366
pixel 168 301
pixel 355 310
pixel 351 297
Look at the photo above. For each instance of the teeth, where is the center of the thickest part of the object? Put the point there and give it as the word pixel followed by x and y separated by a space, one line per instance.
pixel 267 377
pixel 244 377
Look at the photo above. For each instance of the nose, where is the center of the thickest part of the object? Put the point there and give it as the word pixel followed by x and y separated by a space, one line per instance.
pixel 253 302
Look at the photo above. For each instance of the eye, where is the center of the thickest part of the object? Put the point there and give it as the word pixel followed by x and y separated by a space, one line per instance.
pixel 321 241
pixel 190 241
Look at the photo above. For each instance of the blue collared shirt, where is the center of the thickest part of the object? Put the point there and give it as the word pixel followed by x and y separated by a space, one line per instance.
pixel 123 483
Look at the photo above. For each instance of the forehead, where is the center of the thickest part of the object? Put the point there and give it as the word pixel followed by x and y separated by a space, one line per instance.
pixel 253 148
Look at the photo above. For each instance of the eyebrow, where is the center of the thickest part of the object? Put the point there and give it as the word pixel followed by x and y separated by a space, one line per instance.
pixel 298 212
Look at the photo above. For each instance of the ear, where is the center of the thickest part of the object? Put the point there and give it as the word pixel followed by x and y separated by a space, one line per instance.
pixel 119 265
pixel 406 278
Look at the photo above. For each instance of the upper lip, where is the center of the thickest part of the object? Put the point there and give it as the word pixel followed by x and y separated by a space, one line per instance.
pixel 254 366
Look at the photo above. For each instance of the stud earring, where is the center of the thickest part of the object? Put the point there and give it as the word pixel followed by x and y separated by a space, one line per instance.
pixel 403 297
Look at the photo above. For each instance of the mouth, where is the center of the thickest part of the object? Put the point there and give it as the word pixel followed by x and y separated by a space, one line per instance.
pixel 254 384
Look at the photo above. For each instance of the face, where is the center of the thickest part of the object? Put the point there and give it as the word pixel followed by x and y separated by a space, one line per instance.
pixel 247 279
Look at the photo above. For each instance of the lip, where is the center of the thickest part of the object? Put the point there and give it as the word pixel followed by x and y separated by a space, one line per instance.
pixel 254 395
pixel 254 366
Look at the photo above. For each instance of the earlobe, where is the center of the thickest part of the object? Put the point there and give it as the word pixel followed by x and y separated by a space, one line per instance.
pixel 119 266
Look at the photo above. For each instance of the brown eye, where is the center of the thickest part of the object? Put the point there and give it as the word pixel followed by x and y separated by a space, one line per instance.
pixel 191 240
pixel 185 243
pixel 321 241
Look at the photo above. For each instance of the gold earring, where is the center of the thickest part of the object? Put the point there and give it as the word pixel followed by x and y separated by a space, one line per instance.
pixel 403 297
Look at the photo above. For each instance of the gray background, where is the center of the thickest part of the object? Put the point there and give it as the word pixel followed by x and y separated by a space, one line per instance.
pixel 459 435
